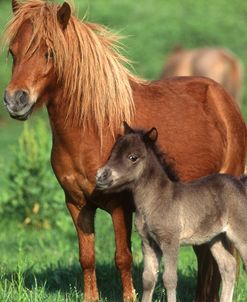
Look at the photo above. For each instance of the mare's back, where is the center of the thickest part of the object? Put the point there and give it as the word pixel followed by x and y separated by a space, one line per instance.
pixel 218 64
pixel 185 112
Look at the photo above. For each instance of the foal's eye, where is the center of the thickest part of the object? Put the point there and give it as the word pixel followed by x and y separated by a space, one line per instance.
pixel 133 157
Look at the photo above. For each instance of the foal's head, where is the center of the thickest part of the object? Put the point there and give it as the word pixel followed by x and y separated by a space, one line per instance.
pixel 127 161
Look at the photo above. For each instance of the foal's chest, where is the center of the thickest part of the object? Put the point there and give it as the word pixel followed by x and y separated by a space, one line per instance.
pixel 145 227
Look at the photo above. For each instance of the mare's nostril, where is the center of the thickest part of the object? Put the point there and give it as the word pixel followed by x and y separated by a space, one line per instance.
pixel 5 98
pixel 21 97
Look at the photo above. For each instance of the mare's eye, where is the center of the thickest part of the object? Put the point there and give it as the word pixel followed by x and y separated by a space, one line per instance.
pixel 133 157
pixel 12 55
pixel 49 55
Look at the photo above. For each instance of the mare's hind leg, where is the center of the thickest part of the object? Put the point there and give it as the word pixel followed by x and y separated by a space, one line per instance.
pixel 122 223
pixel 208 276
pixel 227 268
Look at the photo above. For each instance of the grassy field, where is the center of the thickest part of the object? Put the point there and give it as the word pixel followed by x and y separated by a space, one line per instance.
pixel 42 264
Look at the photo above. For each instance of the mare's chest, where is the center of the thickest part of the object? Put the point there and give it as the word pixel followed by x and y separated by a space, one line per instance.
pixel 75 166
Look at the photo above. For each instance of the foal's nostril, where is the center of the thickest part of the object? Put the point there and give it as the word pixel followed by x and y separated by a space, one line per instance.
pixel 102 175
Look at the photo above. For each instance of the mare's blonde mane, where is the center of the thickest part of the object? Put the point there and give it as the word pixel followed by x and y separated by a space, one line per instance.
pixel 96 84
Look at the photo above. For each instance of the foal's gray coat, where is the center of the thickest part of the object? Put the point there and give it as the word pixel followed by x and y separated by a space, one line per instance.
pixel 170 213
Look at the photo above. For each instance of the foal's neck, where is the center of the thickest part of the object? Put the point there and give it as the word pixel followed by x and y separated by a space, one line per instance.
pixel 152 185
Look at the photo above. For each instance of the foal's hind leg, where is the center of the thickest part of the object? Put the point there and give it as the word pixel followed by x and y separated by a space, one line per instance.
pixel 227 268
pixel 239 237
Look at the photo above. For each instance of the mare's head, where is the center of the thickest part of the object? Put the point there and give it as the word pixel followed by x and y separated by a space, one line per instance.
pixel 128 160
pixel 32 36
pixel 68 63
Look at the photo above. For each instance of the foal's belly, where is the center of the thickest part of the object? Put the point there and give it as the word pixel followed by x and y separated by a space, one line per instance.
pixel 199 236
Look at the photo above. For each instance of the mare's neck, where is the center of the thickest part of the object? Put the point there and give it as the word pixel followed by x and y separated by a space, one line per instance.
pixel 152 186
pixel 79 144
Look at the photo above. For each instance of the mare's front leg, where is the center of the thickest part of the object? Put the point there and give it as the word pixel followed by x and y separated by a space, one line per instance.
pixel 84 222
pixel 122 223
pixel 151 258
pixel 170 253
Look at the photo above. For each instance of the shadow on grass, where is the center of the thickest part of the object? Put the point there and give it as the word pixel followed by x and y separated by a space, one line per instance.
pixel 65 278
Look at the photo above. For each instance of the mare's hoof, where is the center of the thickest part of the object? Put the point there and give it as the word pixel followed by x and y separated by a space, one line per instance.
pixel 91 299
pixel 131 298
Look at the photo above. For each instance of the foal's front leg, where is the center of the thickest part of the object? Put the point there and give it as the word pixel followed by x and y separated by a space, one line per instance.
pixel 170 254
pixel 151 257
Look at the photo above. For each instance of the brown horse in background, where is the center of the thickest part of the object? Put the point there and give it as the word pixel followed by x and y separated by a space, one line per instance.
pixel 218 64
pixel 75 69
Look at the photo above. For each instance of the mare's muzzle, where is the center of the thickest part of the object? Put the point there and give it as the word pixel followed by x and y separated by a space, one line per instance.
pixel 18 104
pixel 103 178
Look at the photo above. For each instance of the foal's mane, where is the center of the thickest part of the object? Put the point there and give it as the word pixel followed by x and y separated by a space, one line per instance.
pixel 163 158
pixel 89 66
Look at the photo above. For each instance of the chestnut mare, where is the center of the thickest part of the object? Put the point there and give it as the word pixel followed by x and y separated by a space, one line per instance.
pixel 75 69
pixel 215 63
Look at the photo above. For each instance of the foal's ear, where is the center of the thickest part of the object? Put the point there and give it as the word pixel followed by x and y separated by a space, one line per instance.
pixel 15 6
pixel 63 15
pixel 152 135
pixel 127 128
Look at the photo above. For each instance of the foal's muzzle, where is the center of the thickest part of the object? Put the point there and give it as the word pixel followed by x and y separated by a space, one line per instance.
pixel 18 104
pixel 103 178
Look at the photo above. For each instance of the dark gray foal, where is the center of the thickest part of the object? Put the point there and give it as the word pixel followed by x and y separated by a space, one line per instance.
pixel 170 213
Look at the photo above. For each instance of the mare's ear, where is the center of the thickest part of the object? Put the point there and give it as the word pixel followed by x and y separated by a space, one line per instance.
pixel 152 135
pixel 63 15
pixel 127 128
pixel 15 6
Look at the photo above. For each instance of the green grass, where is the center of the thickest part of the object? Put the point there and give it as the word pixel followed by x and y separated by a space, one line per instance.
pixel 42 265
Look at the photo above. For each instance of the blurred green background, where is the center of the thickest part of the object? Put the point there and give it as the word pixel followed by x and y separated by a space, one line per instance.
pixel 152 29
pixel 38 250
